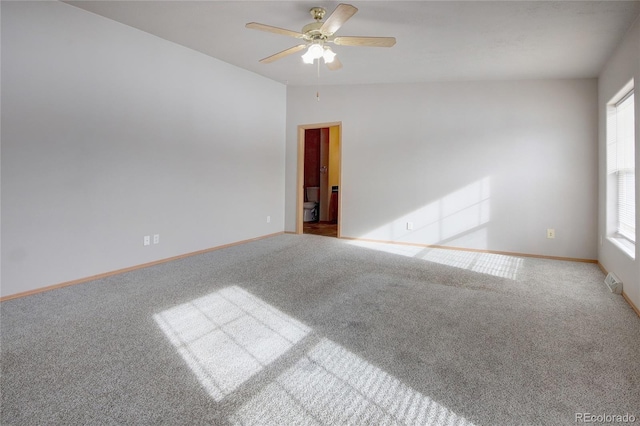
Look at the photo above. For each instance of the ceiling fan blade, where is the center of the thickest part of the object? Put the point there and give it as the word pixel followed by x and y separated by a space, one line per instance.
pixel 282 54
pixel 338 17
pixel 365 41
pixel 275 30
pixel 334 65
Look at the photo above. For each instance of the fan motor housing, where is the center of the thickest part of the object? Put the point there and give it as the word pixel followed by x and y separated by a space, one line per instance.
pixel 312 31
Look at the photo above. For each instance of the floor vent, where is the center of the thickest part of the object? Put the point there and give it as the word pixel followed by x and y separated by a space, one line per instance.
pixel 614 284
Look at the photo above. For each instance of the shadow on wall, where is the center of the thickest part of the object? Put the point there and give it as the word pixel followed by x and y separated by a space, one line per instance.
pixel 229 336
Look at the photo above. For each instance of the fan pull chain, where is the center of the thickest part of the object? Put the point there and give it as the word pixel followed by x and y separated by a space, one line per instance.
pixel 318 83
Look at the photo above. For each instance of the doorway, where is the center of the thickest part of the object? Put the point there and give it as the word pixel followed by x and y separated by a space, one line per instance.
pixel 320 148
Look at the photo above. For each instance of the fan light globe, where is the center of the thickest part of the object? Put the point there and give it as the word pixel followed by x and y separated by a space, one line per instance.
pixel 328 55
pixel 307 59
pixel 314 52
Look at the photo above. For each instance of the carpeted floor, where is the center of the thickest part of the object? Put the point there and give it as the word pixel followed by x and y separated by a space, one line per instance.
pixel 311 330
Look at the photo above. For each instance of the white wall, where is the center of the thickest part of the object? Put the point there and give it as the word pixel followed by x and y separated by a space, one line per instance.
pixel 110 134
pixel 622 66
pixel 482 165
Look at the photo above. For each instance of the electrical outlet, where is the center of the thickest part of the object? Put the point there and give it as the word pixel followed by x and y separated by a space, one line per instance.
pixel 409 226
pixel 156 238
pixel 268 219
pixel 147 240
pixel 551 233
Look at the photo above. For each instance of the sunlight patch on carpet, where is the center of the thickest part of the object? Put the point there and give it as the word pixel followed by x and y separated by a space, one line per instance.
pixel 497 265
pixel 228 336
pixel 330 385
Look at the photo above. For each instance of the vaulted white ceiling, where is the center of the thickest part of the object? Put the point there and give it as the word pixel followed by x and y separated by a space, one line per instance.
pixel 436 40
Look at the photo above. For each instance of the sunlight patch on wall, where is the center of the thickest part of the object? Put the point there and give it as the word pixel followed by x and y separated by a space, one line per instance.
pixel 458 213
pixel 228 336
pixel 330 385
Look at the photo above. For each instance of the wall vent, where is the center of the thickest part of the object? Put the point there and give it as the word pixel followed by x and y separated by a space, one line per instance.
pixel 614 283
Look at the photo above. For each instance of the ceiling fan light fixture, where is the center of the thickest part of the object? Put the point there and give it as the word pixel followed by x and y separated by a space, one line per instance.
pixel 315 51
pixel 328 55
pixel 307 58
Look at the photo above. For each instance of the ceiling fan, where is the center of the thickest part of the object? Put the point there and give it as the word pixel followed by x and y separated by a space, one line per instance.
pixel 318 34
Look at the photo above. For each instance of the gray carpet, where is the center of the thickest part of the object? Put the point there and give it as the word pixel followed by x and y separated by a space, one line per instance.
pixel 313 330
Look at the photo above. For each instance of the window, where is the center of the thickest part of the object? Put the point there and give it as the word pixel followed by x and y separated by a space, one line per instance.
pixel 621 169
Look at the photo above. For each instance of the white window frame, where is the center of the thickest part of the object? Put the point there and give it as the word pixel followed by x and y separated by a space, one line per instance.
pixel 621 186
